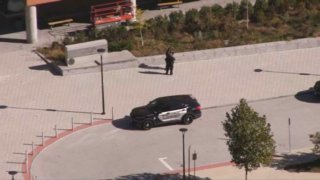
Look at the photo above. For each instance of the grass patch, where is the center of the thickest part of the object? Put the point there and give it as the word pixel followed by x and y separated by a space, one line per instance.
pixel 55 52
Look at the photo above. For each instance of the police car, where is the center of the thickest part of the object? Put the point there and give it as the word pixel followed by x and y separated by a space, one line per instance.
pixel 163 110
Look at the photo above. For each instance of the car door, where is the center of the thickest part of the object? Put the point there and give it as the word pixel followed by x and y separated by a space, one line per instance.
pixel 172 113
pixel 164 115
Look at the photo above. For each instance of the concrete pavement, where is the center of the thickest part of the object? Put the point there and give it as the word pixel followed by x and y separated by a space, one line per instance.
pixel 111 151
pixel 33 100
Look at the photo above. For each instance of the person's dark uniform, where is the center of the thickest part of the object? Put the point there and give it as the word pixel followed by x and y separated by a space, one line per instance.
pixel 169 61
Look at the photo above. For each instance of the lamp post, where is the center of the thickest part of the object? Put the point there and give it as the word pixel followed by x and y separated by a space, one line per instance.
pixel 101 52
pixel 194 158
pixel 189 161
pixel 12 173
pixel 183 130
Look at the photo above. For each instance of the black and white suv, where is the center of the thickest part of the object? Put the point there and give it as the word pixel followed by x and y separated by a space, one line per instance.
pixel 163 110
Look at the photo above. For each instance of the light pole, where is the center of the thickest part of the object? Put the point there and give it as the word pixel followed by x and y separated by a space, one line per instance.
pixel 183 130
pixel 194 158
pixel 12 173
pixel 189 161
pixel 101 52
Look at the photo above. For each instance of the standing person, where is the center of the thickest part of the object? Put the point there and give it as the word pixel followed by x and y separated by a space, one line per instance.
pixel 169 61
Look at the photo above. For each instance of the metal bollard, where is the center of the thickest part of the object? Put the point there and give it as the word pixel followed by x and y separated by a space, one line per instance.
pixel 72 124
pixel 112 114
pixel 56 130
pixel 42 139
pixel 289 131
pixel 32 148
pixel 91 118
pixel 26 154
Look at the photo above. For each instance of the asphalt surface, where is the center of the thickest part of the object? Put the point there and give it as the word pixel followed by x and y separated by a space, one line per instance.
pixel 118 149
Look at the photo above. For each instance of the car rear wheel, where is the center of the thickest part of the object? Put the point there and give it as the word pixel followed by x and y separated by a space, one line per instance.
pixel 187 119
pixel 146 125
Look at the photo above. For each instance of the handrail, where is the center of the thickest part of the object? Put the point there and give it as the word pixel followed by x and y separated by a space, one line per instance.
pixel 110 3
pixel 111 11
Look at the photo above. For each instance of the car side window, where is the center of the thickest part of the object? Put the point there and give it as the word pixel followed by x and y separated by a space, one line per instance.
pixel 176 106
pixel 166 108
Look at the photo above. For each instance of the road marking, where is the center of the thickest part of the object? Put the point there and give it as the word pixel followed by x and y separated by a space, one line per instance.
pixel 165 163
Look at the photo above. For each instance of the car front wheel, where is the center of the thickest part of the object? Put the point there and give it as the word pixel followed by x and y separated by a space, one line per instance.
pixel 146 125
pixel 187 119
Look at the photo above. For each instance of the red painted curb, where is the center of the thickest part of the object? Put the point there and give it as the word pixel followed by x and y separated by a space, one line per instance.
pixel 26 166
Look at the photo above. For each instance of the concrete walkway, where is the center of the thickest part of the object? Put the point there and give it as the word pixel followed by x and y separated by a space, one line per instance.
pixel 33 100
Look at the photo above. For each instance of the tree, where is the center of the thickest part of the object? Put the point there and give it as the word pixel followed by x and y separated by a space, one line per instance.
pixel 140 24
pixel 315 139
pixel 250 140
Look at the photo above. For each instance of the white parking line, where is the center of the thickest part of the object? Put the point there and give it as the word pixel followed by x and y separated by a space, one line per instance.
pixel 165 163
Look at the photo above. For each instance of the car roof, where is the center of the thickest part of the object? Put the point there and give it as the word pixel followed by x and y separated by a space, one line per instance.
pixel 176 98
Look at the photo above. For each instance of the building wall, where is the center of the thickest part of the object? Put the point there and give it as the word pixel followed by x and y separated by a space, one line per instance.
pixel 79 10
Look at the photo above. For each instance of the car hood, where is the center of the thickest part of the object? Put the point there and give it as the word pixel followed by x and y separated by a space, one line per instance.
pixel 141 111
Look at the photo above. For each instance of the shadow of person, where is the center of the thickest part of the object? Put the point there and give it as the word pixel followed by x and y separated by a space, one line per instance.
pixel 46 67
pixel 145 66
pixel 152 72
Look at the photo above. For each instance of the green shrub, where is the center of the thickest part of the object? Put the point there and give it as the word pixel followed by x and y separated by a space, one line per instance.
pixel 119 46
pixel 276 22
pixel 80 37
pixel 176 21
pixel 217 10
pixel 208 27
pixel 192 21
pixel 159 26
pixel 315 139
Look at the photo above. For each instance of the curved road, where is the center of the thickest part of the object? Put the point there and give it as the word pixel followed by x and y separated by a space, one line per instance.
pixel 119 150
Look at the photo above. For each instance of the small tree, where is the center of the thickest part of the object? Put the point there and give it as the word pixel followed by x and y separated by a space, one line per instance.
pixel 250 139
pixel 140 24
pixel 315 139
